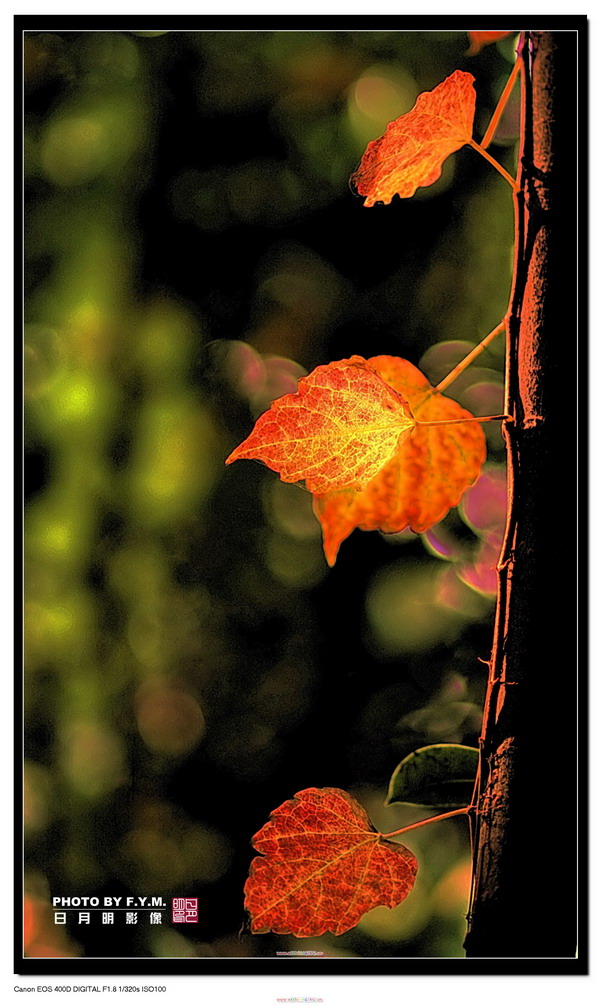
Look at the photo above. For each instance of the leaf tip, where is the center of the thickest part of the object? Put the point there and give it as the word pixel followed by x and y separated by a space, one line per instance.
pixel 236 454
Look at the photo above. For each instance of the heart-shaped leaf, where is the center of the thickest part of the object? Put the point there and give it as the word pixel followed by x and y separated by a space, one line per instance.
pixel 322 866
pixel 351 433
pixel 336 431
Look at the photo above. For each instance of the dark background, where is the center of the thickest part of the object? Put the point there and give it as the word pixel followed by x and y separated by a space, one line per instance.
pixel 192 246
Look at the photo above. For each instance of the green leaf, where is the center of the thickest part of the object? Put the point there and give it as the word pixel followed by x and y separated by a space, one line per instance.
pixel 441 775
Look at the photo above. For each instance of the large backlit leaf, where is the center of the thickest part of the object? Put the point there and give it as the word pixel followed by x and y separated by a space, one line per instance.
pixel 413 148
pixel 337 431
pixel 427 475
pixel 322 866
pixel 351 432
pixel 441 775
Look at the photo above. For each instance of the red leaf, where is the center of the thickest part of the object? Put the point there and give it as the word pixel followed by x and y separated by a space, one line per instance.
pixel 337 431
pixel 324 866
pixel 413 148
pixel 427 475
pixel 481 38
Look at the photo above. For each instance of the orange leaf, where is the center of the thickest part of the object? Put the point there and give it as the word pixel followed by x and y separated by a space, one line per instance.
pixel 324 866
pixel 413 148
pixel 337 431
pixel 427 475
pixel 481 38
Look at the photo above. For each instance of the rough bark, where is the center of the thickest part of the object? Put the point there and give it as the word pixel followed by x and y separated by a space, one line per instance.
pixel 525 839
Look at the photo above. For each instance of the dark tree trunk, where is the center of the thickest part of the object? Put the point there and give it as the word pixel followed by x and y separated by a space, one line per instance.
pixel 525 843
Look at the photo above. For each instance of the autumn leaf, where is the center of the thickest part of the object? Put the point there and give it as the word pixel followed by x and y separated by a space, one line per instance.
pixel 481 38
pixel 322 866
pixel 427 475
pixel 352 433
pixel 413 148
pixel 337 431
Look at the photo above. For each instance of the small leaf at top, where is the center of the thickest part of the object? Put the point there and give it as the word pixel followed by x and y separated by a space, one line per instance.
pixel 441 775
pixel 413 148
pixel 337 431
pixel 481 38
pixel 322 866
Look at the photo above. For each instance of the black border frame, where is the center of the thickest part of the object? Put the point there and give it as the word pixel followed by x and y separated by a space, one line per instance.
pixel 292 966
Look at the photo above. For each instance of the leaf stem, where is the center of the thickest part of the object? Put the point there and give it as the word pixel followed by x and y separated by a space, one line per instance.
pixel 468 359
pixel 495 119
pixel 474 418
pixel 464 363
pixel 511 181
pixel 430 820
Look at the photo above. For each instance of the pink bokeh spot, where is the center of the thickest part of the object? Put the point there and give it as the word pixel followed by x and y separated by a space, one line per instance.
pixel 245 369
pixel 439 547
pixel 282 376
pixel 261 379
pixel 484 505
pixel 480 574
pixel 483 508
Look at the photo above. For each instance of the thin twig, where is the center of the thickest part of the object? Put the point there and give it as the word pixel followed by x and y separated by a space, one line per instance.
pixel 511 181
pixel 495 119
pixel 430 820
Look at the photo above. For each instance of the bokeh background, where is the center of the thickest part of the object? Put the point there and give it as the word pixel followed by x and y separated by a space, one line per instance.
pixel 192 246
